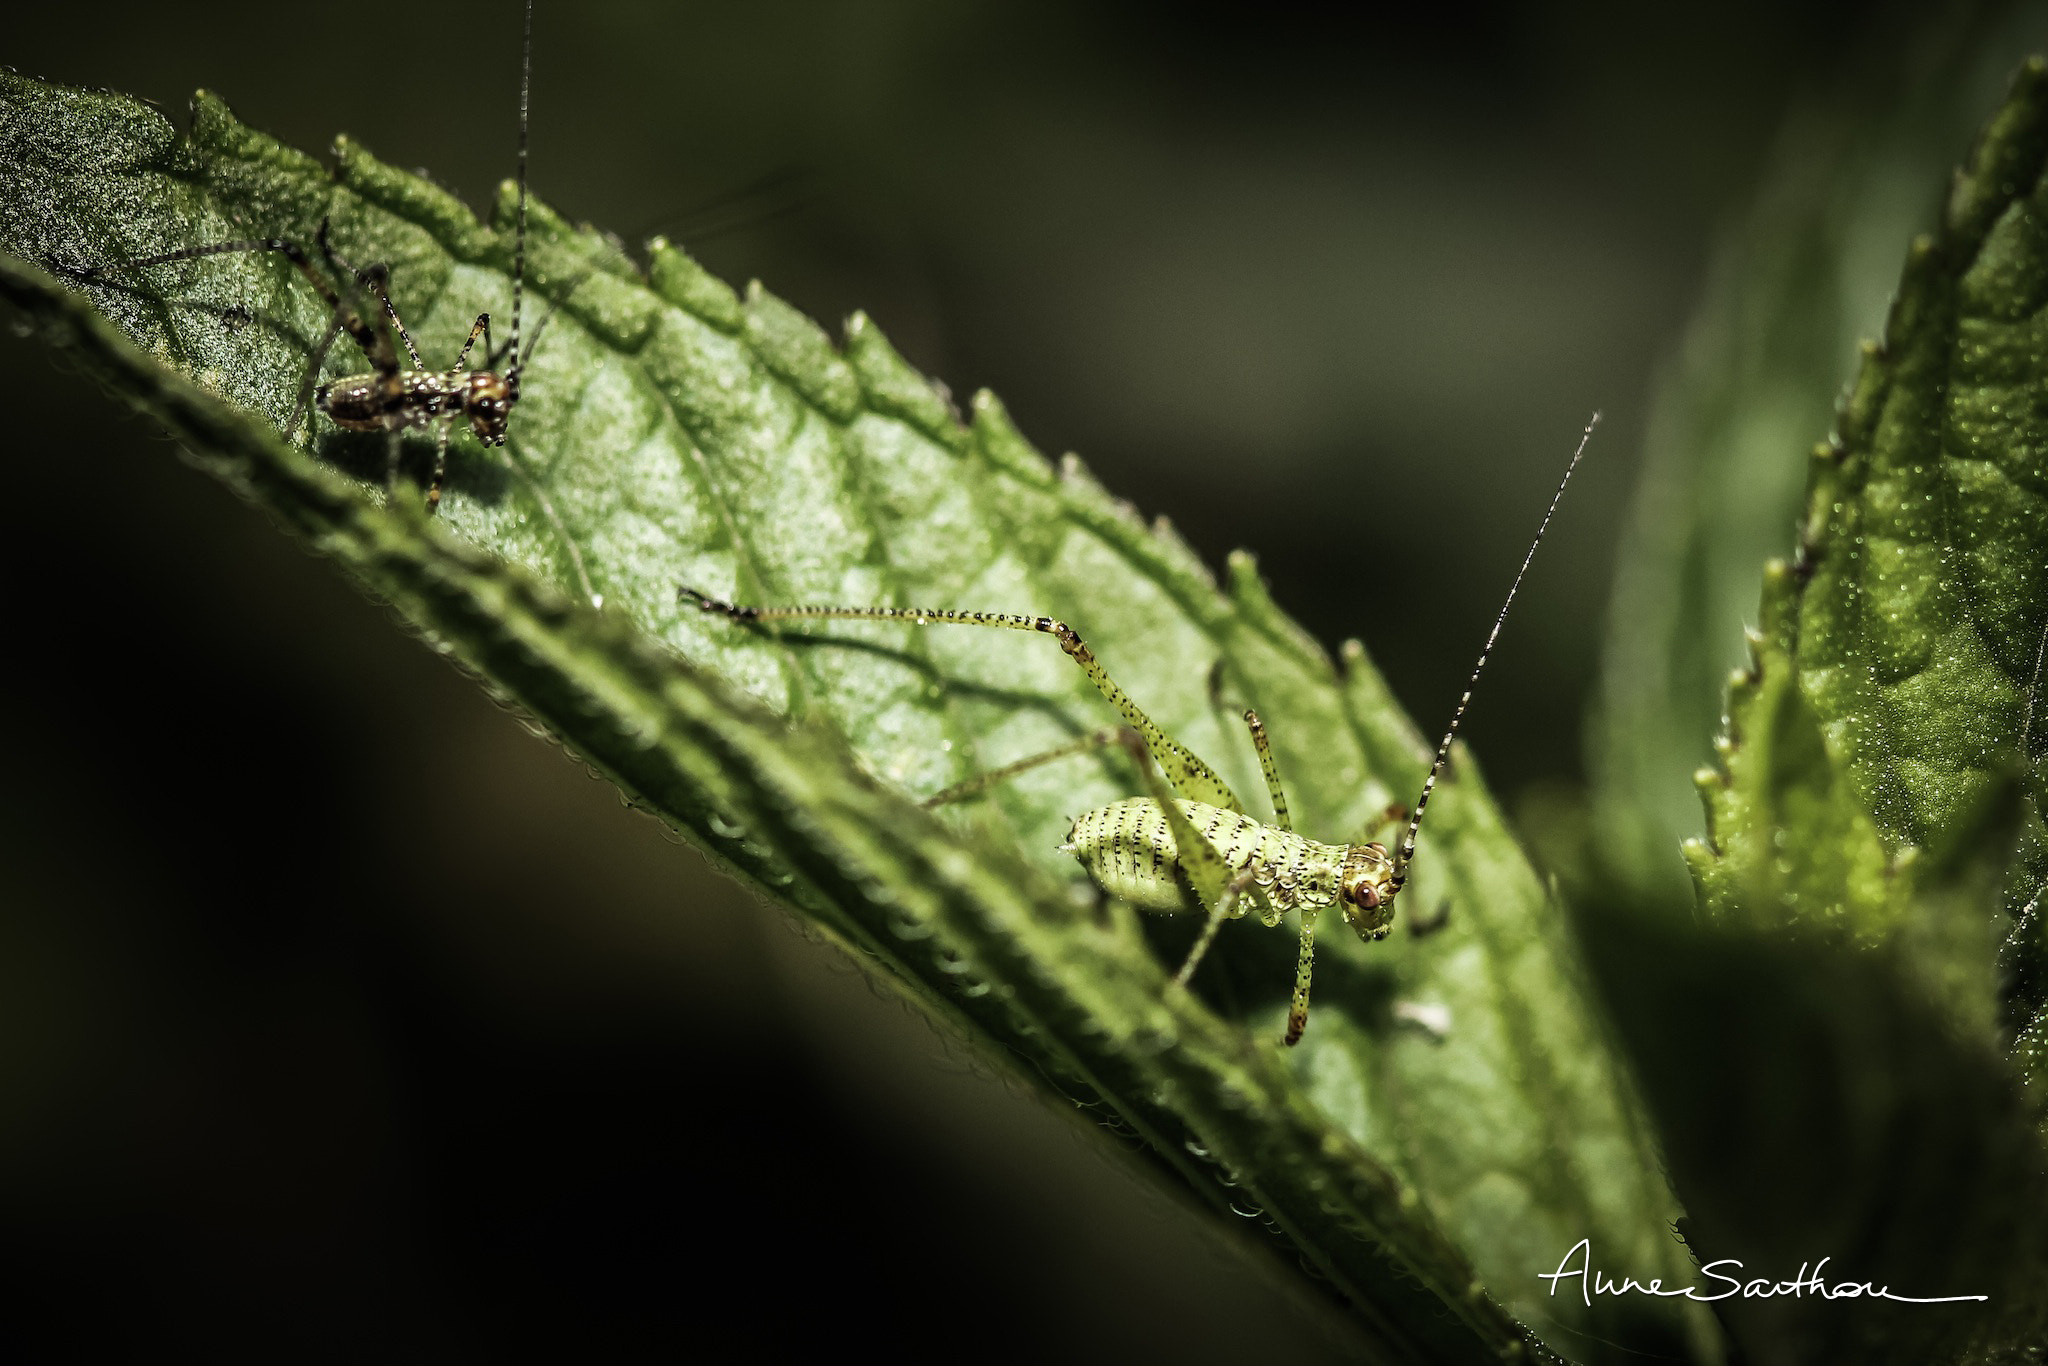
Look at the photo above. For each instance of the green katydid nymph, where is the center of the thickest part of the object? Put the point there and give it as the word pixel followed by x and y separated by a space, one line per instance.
pixel 1188 844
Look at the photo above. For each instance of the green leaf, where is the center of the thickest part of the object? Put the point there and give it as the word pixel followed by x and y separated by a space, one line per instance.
pixel 1831 1057
pixel 672 431
pixel 1894 674
pixel 1804 275
pixel 1816 1105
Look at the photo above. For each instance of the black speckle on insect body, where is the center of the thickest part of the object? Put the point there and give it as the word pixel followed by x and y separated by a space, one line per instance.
pixel 1128 849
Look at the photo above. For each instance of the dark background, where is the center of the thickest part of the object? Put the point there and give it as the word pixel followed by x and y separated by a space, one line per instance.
pixel 339 1014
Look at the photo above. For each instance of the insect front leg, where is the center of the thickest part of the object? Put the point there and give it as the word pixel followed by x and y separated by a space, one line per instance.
pixel 480 328
pixel 1386 820
pixel 1304 968
pixel 1422 926
pixel 1297 1009
pixel 1266 766
pixel 440 462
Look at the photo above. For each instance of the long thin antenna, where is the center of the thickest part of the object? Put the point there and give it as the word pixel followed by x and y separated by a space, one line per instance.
pixel 554 306
pixel 519 239
pixel 1443 751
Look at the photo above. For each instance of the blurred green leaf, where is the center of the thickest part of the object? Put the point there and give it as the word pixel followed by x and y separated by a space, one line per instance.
pixel 1894 673
pixel 1797 282
pixel 673 431
pixel 1815 1105
pixel 1829 1057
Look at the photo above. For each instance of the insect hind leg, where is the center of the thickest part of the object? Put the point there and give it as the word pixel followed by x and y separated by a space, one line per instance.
pixel 1190 777
pixel 376 347
pixel 376 278
pixel 982 782
pixel 1206 870
pixel 284 246
pixel 312 379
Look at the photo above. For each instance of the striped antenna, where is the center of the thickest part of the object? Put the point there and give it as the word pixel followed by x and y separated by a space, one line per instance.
pixel 519 238
pixel 1443 751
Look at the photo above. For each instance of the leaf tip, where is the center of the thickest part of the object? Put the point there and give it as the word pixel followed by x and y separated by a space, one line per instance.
pixel 1245 584
pixel 678 278
pixel 797 350
pixel 1003 444
pixel 896 387
pixel 213 124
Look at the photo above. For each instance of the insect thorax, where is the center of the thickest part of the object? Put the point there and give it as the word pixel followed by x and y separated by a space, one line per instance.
pixel 1129 850
pixel 419 398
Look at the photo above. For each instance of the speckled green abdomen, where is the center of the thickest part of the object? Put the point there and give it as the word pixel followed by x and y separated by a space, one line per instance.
pixel 1129 850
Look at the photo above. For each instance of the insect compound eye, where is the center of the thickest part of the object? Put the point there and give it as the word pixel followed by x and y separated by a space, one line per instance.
pixel 1368 899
